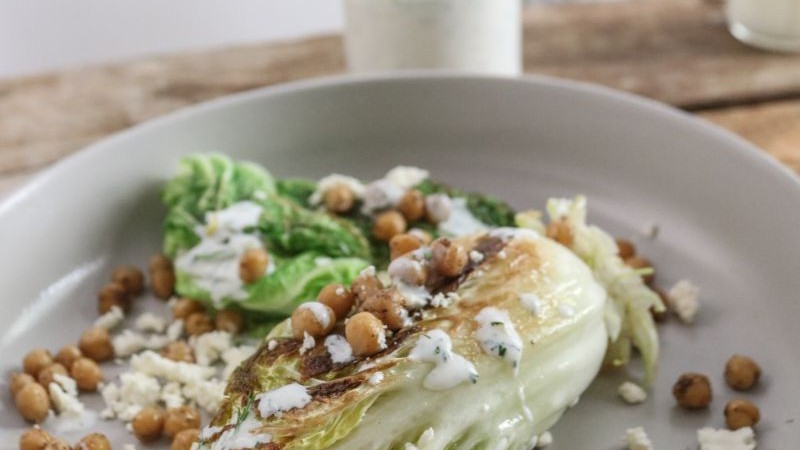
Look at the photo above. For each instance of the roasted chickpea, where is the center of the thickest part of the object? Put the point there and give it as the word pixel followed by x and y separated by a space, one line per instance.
pixel 87 374
pixel 387 306
pixel 185 307
pixel 111 295
pixel 438 208
pixel 179 419
pixel 408 271
pixel 422 235
pixel 229 320
pixel 364 333
pixel 57 444
pixel 47 375
pixel 32 402
pixel 198 323
pixel 68 355
pixel 163 283
pixel 625 248
pixel 314 318
pixel 412 205
pixel 148 424
pixel 365 285
pixel 178 351
pixel 449 258
pixel 131 278
pixel 741 372
pixel 339 199
pixel 561 232
pixel 253 264
pixel 34 439
pixel 692 391
pixel 94 441
pixel 402 244
pixel 388 224
pixel 184 439
pixel 638 262
pixel 95 343
pixel 159 262
pixel 740 414
pixel 36 360
pixel 162 276
pixel 338 298
pixel 18 381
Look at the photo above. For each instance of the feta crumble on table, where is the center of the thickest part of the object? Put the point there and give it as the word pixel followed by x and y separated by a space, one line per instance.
pixel 683 300
pixel 130 342
pixel 637 439
pixel 209 347
pixel 111 319
pixel 741 439
pixel 631 393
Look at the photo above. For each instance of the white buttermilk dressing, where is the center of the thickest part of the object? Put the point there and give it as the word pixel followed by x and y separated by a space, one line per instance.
pixel 381 194
pixel 339 349
pixel 213 264
pixel 334 180
pixel 403 271
pixel 321 313
pixel 531 302
pixel 497 335
pixel 461 221
pixel 508 233
pixel 450 370
pixel 240 437
pixel 282 399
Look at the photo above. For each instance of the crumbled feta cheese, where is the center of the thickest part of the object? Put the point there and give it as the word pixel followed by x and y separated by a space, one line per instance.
pixel 444 300
pixel 208 347
pixel 502 255
pixel 367 272
pixel 175 330
pixel 476 256
pixel 69 385
pixel 320 312
pixel 683 300
pixel 375 379
pixel 129 342
pixel 171 395
pixel 111 319
pixel 334 180
pixel 134 391
pixel 544 440
pixel 741 439
pixel 637 439
pixel 207 394
pixel 406 177
pixel 150 323
pixel 631 393
pixel 153 364
pixel 272 344
pixel 338 348
pixel 308 343
pixel 64 401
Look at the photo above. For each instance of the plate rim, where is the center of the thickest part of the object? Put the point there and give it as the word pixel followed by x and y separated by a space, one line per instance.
pixel 780 171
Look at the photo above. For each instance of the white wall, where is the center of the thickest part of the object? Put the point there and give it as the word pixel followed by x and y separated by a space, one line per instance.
pixel 41 35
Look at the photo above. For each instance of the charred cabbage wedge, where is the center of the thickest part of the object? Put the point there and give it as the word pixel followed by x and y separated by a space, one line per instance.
pixel 523 337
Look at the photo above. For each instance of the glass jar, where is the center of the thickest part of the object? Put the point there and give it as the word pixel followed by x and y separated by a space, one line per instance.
pixel 767 24
pixel 472 35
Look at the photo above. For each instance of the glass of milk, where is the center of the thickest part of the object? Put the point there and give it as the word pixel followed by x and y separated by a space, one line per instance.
pixel 471 35
pixel 767 24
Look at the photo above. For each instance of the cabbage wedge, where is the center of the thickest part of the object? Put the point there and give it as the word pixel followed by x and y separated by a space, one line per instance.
pixel 524 323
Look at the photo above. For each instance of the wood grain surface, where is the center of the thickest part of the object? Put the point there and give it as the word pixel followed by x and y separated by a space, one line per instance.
pixel 676 51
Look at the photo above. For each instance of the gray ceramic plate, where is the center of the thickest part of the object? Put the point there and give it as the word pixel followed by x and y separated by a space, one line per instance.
pixel 728 216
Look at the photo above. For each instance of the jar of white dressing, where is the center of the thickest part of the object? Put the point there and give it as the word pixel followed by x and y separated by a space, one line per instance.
pixel 767 24
pixel 471 35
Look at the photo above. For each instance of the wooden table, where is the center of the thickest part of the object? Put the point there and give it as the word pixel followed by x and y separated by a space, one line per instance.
pixel 676 51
